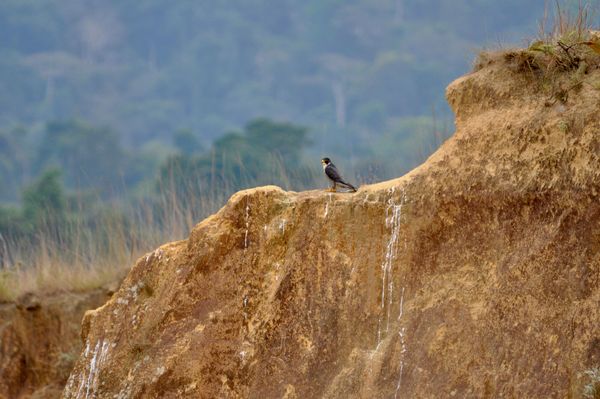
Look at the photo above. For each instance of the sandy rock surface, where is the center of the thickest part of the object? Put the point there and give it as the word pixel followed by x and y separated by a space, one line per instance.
pixel 475 275
pixel 39 342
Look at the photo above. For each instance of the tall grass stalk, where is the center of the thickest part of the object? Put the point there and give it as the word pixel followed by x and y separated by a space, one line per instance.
pixel 85 254
pixel 566 24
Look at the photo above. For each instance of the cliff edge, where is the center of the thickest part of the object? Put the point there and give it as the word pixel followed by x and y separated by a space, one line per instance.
pixel 475 275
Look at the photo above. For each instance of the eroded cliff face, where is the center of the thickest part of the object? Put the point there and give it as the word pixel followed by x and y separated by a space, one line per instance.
pixel 475 275
pixel 39 342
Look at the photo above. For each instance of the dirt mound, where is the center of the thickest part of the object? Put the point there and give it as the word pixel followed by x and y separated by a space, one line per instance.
pixel 475 275
pixel 39 342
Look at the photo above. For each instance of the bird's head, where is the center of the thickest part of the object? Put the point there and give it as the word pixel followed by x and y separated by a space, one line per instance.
pixel 325 161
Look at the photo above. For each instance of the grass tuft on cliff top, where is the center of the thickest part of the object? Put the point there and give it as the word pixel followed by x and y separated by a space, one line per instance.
pixel 559 60
pixel 567 41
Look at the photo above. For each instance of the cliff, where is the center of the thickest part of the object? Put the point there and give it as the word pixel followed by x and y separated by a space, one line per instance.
pixel 39 342
pixel 475 275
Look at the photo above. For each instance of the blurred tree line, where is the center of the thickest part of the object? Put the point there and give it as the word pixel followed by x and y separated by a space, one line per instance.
pixel 78 171
pixel 264 152
pixel 104 103
pixel 352 70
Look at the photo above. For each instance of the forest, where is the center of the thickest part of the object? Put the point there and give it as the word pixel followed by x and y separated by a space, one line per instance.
pixel 151 113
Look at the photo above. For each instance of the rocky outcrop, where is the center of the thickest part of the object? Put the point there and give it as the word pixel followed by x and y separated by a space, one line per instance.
pixel 475 275
pixel 39 342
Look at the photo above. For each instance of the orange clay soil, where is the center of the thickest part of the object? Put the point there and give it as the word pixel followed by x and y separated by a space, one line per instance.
pixel 39 342
pixel 475 275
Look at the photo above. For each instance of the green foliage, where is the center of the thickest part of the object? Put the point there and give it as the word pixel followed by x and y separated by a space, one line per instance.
pixel 186 142
pixel 566 40
pixel 180 175
pixel 11 221
pixel 283 140
pixel 44 208
pixel 265 152
pixel 92 157
pixel 44 201
pixel 214 65
pixel 232 157
pixel 14 161
pixel 360 73
pixel 542 47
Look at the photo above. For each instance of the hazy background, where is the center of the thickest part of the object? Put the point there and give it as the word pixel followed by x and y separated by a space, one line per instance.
pixel 364 76
pixel 111 106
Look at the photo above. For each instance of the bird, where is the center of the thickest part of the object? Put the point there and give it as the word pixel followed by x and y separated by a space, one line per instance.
pixel 332 173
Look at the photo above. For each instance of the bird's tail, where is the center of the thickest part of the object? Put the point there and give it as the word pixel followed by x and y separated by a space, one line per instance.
pixel 350 186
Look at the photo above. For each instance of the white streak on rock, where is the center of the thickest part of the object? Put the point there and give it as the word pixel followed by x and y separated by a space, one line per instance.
pixel 393 216
pixel 327 207
pixel 89 376
pixel 247 225
pixel 403 349
pixel 282 225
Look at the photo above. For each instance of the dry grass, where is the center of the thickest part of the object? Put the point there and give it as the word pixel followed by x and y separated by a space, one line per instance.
pixel 90 255
pixel 56 276
pixel 566 41
pixel 88 261
pixel 566 26
pixel 566 50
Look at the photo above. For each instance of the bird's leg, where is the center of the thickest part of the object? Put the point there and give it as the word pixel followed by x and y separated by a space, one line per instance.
pixel 332 188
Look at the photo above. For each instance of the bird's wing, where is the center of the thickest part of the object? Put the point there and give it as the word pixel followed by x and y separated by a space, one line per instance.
pixel 332 172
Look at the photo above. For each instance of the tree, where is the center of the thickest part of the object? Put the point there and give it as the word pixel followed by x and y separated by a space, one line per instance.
pixel 186 142
pixel 281 139
pixel 265 152
pixel 92 157
pixel 14 159
pixel 44 201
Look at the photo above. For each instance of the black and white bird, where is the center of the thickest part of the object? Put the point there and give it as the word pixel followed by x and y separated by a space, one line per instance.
pixel 332 173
